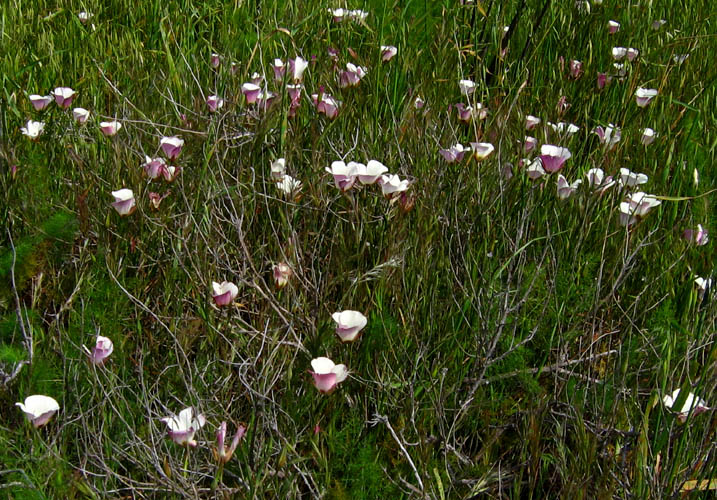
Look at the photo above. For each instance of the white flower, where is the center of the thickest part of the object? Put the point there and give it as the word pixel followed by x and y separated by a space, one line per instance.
pixel 370 173
pixel 566 189
pixel 392 184
pixel 648 136
pixel 288 185
pixel 467 87
pixel 80 115
pixel 183 427
pixel 631 179
pixel 32 129
pixel 349 324
pixel 39 409
pixel 278 169
pixel 692 404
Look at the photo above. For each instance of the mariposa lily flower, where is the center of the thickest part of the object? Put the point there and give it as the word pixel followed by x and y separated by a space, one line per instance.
pixel 344 174
pixel 170 172
pixel 297 66
pixel 613 27
pixel 418 103
pixel 619 53
pixel 697 236
pixel 392 184
pixel 154 167
pixel 181 428
pixel 467 87
pixel 576 68
pixel 40 102
pixel 32 129
pixel 251 92
pixel 388 52
pixel 155 199
pixel 531 122
pixel 553 157
pixel 563 128
pixel 703 286
pixel 562 105
pixel 358 15
pixel 102 350
pixel 64 96
pixel 565 189
pixel 124 201
pixel 637 205
pixel 84 16
pixel 327 375
pixel 351 76
pixel 693 404
pixel 535 168
pixel 371 172
pixel 279 69
pixel 224 293
pixel 648 136
pixel 256 78
pixel 454 153
pixel 171 146
pixel 215 103
pixel 294 92
pixel 338 14
pixel 327 105
pixel 215 60
pixel 602 80
pixel 39 409
pixel 597 180
pixel 278 168
pixel 609 136
pixel 467 113
pixel 110 128
pixel 482 150
pixel 529 143
pixel 223 454
pixel 631 179
pixel 349 324
pixel 620 70
pixel 282 273
pixel 644 96
pixel 288 186
pixel 81 115
pixel 632 54
pixel 657 24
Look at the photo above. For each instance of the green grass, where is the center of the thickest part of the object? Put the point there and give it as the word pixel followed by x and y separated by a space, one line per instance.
pixel 518 345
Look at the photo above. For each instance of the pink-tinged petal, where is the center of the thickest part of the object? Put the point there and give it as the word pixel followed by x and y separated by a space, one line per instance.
pixel 643 96
pixel 482 150
pixel 110 128
pixel 214 103
pixel 40 102
pixel 215 60
pixel 324 382
pixel 64 96
pixel 171 146
pixel 102 350
pixel 576 69
pixel 531 122
pixel 613 27
pixel 388 52
pixel 529 143
pixel 39 409
pixel 553 157
pixel 251 92
pixel 124 201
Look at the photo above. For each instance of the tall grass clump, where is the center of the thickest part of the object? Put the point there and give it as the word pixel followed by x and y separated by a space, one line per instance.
pixel 402 249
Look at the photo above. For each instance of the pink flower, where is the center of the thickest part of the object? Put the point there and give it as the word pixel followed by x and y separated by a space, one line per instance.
pixel 40 102
pixel 419 103
pixel 39 409
pixel 282 274
pixel 482 150
pixel 349 324
pixel 619 53
pixel 602 80
pixel 171 146
pixel 467 87
pixel 535 169
pixel 297 66
pixel 327 375
pixel 294 92
pixel 467 113
pixel 155 199
pixel 648 136
pixel 215 60
pixel 326 105
pixel 597 180
pixel 344 174
pixel 224 293
pixel 388 52
pixel 553 157
pixel 631 179
pixel 576 69
pixel 64 96
pixel 110 128
pixel 154 167
pixel 182 427
pixel 371 172
pixel 454 153
pixel 529 143
pixel 214 103
pixel 351 76
pixel 699 236
pixel 562 105
pixel 224 454
pixel 81 115
pixel 102 350
pixel 613 27
pixel 278 169
pixel 566 189
pixel 251 92
pixel 609 135
pixel 632 54
pixel 279 69
pixel 392 184
pixel 531 122
pixel 637 205
pixel 692 404
pixel 124 201
pixel 644 96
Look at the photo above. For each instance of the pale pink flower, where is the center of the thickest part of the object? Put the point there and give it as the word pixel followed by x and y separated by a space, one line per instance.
pixel 632 54
pixel 214 103
pixel 657 24
pixel 535 168
pixel 64 96
pixel 181 428
pixel 609 136
pixel 613 27
pixel 39 409
pixel 154 167
pixel 124 201
pixel 576 68
pixel 40 102
pixel 327 375
pixel 392 184
pixel 529 143
pixel 344 174
pixel 619 53
pixel 224 293
pixel 553 157
pixel 418 103
pixel 251 92
pixel 351 76
pixel 110 128
pixel 602 80
pixel 563 128
pixel 597 180
pixel 371 172
pixel 637 205
pixel 349 324
pixel 482 150
pixel 294 92
pixel 326 105
pixel 388 52
pixel 288 185
pixel 282 273
pixel 566 189
pixel 155 199
pixel 171 146
pixel 102 350
pixel 648 136
pixel 631 179
pixel 644 96
pixel 692 404
pixel 84 16
pixel 278 168
pixel 467 87
pixel 454 153
pixel 531 122
pixel 279 69
pixel 215 60
pixel 256 78
pixel 697 236
pixel 703 286
pixel 81 115
pixel 222 453
pixel 297 66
